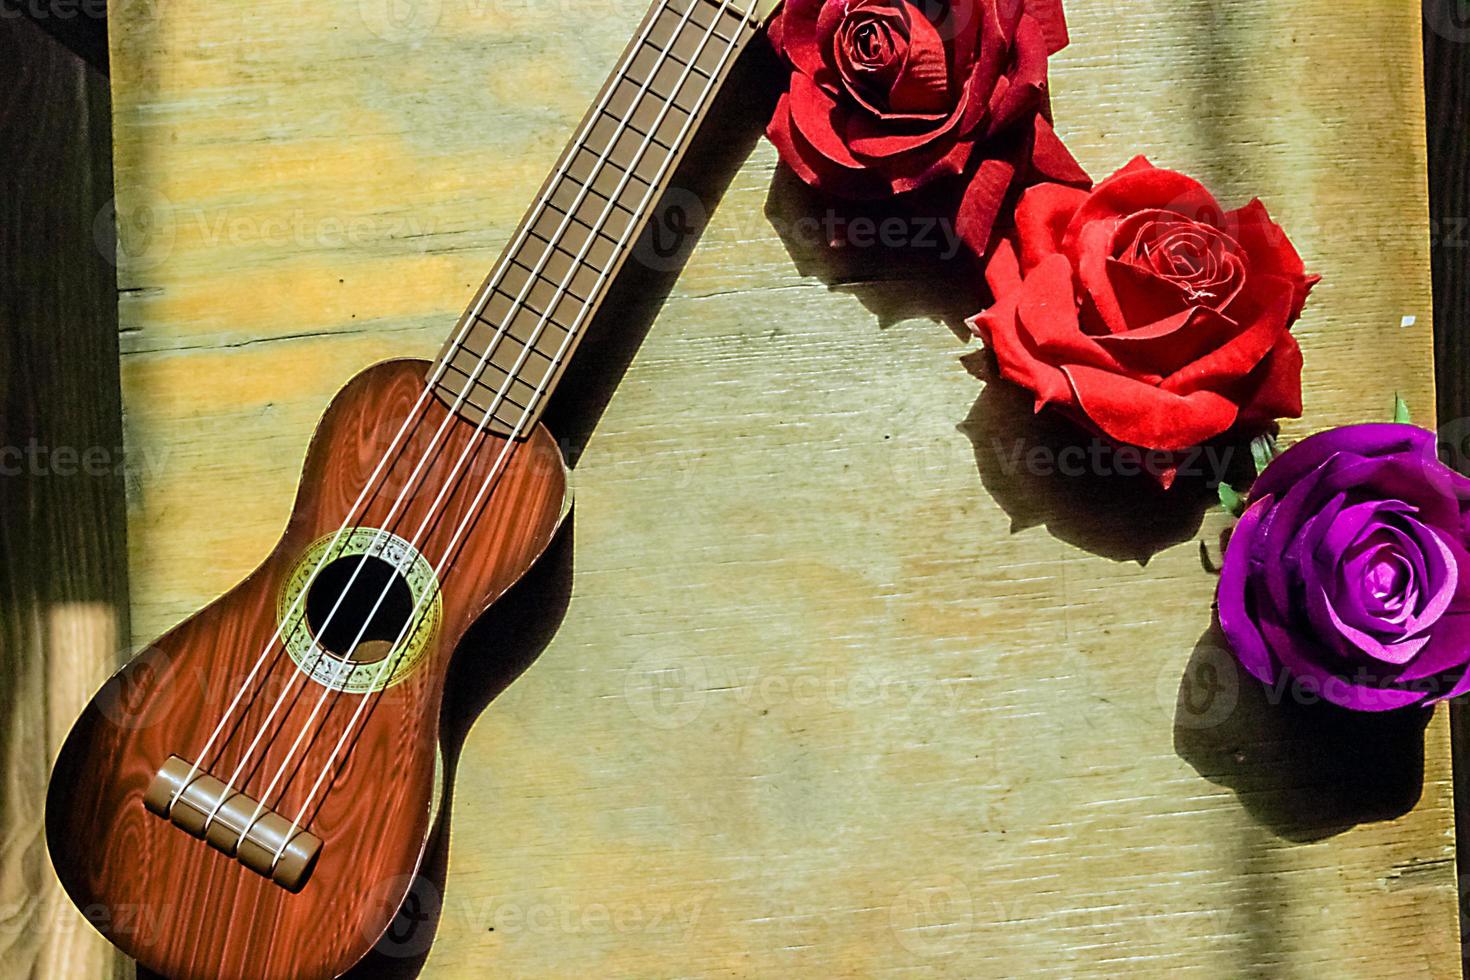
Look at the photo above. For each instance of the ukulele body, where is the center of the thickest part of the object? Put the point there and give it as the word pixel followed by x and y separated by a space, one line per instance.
pixel 187 909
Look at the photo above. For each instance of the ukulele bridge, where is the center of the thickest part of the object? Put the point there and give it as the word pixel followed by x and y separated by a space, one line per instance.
pixel 240 828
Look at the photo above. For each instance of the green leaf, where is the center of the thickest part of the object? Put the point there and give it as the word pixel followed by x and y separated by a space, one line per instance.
pixel 1231 500
pixel 1400 409
pixel 1263 450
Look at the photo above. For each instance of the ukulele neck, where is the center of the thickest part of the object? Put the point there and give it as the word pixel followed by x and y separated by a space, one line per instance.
pixel 509 349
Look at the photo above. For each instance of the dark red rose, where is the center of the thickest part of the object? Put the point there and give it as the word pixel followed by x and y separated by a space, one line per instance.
pixel 1146 310
pixel 889 95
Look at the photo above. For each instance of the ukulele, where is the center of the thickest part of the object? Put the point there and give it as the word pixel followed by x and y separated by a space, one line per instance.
pixel 252 795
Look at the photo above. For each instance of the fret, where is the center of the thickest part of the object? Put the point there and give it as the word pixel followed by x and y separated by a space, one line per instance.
pixel 695 27
pixel 545 286
pixel 625 102
pixel 611 219
pixel 502 312
pixel 488 388
pixel 685 46
pixel 681 56
pixel 574 237
pixel 580 277
pixel 590 212
pixel 670 81
pixel 504 355
pixel 606 176
pixel 541 295
pixel 641 119
pixel 729 26
pixel 624 149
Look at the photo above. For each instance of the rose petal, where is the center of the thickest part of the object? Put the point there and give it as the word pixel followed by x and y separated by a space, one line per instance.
pixel 1143 415
pixel 1003 270
pixel 1223 367
pixel 1138 186
pixel 1270 250
pixel 1333 559
pixel 1159 348
pixel 1461 687
pixel 1016 355
pixel 1279 529
pixel 982 201
pixel 817 117
pixel 1273 390
pixel 1048 317
pixel 1089 253
pixel 1050 158
pixel 922 85
pixel 1143 297
pixel 1041 219
pixel 1027 76
pixel 1398 653
pixel 1053 22
pixel 793 33
pixel 1441 576
pixel 1370 439
pixel 1357 691
pixel 1236 619
pixel 868 79
pixel 1448 647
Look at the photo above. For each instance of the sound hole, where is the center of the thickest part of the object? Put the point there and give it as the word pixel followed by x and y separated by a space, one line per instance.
pixel 387 623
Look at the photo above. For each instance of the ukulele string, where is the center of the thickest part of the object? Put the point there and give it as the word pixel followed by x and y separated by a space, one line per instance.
pixel 471 443
pixel 434 511
pixel 472 317
pixel 431 451
pixel 245 686
pixel 472 511
pixel 528 347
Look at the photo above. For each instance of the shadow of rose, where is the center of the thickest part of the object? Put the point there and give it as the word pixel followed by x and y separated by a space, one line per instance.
pixel 1043 470
pixel 901 258
pixel 1301 767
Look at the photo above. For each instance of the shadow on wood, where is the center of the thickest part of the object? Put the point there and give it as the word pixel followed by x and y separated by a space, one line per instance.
pixel 1302 768
pixel 613 337
pixel 1045 471
pixel 901 258
pixel 496 651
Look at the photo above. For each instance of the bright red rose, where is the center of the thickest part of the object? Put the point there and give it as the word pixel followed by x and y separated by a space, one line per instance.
pixel 1146 310
pixel 889 95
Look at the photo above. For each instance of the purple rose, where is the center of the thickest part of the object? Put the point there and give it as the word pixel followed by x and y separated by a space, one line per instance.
pixel 1349 570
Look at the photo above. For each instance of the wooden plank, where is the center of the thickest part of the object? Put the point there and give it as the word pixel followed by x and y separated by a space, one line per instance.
pixel 833 690
pixel 63 591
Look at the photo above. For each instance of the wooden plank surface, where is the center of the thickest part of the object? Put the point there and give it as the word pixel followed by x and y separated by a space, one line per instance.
pixel 63 585
pixel 831 687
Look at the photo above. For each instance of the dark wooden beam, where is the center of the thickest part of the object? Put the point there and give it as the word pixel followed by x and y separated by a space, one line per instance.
pixel 80 25
pixel 63 561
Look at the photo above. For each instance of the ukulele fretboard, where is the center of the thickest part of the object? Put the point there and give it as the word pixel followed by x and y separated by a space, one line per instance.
pixel 510 347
